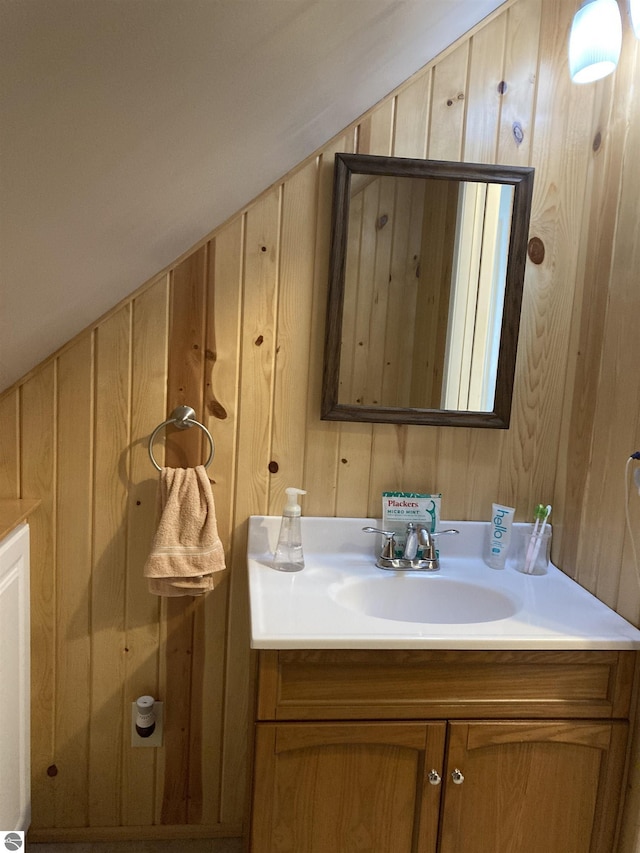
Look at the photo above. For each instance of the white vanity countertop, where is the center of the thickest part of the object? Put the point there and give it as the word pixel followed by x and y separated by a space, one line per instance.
pixel 302 610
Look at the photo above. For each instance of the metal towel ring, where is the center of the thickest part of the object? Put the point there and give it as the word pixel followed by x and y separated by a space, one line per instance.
pixel 183 417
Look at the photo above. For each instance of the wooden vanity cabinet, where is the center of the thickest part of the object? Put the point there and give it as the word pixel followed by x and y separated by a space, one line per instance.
pixel 345 787
pixel 552 786
pixel 394 751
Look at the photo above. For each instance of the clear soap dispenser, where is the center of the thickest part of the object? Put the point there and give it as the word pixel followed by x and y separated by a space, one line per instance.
pixel 288 556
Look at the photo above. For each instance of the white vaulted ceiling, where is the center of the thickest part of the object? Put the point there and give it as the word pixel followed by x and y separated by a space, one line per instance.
pixel 129 129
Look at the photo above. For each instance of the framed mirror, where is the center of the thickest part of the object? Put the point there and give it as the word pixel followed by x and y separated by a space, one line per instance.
pixel 425 290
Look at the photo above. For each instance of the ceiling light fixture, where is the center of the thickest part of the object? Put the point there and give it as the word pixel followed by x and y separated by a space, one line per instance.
pixel 595 40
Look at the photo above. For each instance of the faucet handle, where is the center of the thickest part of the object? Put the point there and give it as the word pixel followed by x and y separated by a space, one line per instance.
pixel 426 534
pixel 426 537
pixel 389 547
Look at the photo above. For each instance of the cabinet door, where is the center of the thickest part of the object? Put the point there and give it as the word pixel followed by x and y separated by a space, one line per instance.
pixel 346 788
pixel 527 787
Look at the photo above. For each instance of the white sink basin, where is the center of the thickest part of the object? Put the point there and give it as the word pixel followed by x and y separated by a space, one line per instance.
pixel 414 598
pixel 340 600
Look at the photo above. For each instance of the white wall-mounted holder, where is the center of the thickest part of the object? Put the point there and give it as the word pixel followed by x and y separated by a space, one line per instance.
pixel 147 718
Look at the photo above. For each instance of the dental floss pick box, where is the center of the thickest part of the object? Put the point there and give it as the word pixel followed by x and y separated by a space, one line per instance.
pixel 399 508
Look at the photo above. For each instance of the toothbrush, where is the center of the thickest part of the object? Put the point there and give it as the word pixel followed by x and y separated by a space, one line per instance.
pixel 538 514
pixel 547 513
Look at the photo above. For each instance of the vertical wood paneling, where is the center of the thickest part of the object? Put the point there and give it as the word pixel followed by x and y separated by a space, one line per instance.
pixel 177 677
pixel 37 440
pixel 196 712
pixel 236 330
pixel 448 105
pixel 619 428
pixel 74 519
pixel 395 466
pixel 262 242
pixel 601 431
pixel 253 450
pixel 434 247
pixel 405 459
pixel 370 306
pixel 108 588
pixel 403 331
pixel 142 633
pixel 224 312
pixel 615 423
pixel 410 140
pixel 397 449
pixel 354 270
pixel 560 152
pixel 322 438
pixel 517 107
pixel 608 133
pixel 354 450
pixel 221 406
pixel 486 64
pixel 295 294
pixel 517 119
pixel 412 118
pixel 10 445
pixel 183 672
pixel 628 602
pixel 375 131
pixel 353 482
pixel 360 270
pixel 186 359
pixel 400 454
pixel 467 463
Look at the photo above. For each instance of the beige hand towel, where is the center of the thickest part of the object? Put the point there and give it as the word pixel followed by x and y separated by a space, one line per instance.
pixel 186 550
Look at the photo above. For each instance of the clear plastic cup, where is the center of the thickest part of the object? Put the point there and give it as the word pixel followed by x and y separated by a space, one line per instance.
pixel 530 553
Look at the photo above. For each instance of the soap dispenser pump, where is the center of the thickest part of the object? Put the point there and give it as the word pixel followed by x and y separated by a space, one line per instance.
pixel 288 556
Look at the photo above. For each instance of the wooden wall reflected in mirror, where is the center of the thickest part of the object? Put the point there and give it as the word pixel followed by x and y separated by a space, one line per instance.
pixel 426 274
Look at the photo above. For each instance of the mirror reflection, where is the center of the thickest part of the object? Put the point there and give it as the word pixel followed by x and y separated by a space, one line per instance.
pixel 424 289
pixel 426 281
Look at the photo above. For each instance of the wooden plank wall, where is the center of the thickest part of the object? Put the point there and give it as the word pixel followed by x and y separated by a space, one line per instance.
pixel 400 237
pixel 385 236
pixel 235 329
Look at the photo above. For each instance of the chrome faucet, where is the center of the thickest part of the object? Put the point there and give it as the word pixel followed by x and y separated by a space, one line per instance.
pixel 417 537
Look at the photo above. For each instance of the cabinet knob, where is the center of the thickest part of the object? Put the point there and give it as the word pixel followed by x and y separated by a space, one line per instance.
pixel 434 777
pixel 457 777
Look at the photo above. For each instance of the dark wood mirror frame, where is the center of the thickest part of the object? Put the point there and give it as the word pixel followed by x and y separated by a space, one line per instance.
pixel 521 178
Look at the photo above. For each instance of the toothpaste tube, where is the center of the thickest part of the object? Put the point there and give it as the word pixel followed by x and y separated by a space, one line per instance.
pixel 499 536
